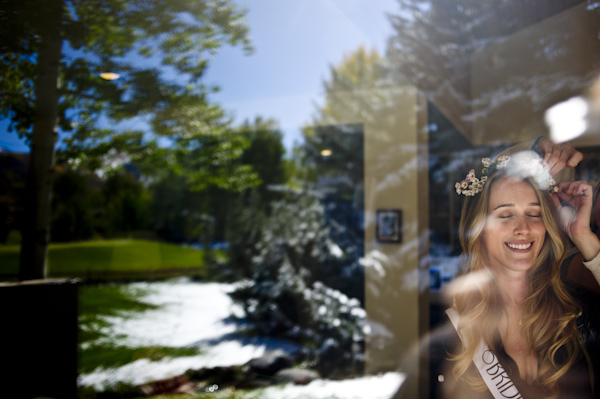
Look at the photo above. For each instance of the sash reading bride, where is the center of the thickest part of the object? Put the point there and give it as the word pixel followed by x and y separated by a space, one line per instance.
pixel 486 361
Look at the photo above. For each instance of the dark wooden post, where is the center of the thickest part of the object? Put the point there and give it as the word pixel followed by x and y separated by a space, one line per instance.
pixel 39 339
pixel 38 188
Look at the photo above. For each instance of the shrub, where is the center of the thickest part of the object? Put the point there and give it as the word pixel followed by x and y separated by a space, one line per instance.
pixel 298 272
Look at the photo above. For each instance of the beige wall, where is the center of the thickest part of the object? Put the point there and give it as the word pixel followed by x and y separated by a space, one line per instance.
pixel 392 278
pixel 396 176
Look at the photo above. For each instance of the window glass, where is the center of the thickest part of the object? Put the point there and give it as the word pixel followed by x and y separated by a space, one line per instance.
pixel 240 188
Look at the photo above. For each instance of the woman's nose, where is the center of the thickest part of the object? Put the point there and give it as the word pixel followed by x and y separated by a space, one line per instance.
pixel 521 225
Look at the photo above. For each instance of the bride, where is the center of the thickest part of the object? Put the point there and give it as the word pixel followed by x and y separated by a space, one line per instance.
pixel 516 318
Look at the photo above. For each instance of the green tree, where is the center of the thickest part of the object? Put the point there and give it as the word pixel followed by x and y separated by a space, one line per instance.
pixel 357 89
pixel 125 205
pixel 178 211
pixel 265 152
pixel 12 184
pixel 210 186
pixel 243 215
pixel 52 53
pixel 72 208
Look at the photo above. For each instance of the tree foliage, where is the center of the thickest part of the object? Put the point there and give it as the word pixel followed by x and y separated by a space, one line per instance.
pixel 73 204
pixel 302 282
pixel 12 185
pixel 50 60
pixel 356 89
pixel 265 153
pixel 84 206
pixel 160 49
pixel 125 205
pixel 243 216
pixel 359 93
pixel 181 207
pixel 442 46
pixel 305 264
pixel 177 210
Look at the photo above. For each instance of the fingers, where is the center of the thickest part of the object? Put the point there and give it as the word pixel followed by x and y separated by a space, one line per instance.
pixel 566 217
pixel 575 188
pixel 557 156
pixel 576 194
pixel 574 208
pixel 574 159
pixel 556 199
pixel 562 156
pixel 562 197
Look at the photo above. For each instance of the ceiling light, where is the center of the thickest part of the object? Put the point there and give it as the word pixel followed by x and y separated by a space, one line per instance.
pixel 567 120
pixel 109 75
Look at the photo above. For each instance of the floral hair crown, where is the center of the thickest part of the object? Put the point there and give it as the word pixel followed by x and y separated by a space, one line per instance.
pixel 532 167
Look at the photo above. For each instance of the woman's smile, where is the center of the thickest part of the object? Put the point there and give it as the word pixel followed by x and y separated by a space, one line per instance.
pixel 514 230
pixel 519 246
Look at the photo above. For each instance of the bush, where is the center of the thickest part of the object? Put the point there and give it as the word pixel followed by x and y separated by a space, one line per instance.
pixel 245 223
pixel 298 272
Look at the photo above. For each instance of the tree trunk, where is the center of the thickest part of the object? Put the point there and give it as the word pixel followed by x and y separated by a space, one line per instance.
pixel 38 189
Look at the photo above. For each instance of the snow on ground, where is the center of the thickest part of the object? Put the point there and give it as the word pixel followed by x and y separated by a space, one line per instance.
pixel 371 387
pixel 196 314
pixel 189 312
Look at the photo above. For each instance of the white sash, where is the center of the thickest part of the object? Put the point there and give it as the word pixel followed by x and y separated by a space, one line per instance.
pixel 486 361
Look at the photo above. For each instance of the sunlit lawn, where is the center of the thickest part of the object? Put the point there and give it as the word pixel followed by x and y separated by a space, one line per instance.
pixel 96 302
pixel 113 259
pixel 109 258
pixel 225 394
pixel 98 347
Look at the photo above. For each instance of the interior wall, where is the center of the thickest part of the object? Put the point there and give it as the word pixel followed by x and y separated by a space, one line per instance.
pixel 396 274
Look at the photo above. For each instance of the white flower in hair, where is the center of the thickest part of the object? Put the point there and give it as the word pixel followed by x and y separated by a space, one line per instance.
pixel 531 165
pixel 527 166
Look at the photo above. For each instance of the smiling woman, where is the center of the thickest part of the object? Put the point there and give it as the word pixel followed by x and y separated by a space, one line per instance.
pixel 514 231
pixel 515 316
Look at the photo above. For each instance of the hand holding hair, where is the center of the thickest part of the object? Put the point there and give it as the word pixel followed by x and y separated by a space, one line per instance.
pixel 557 155
pixel 574 203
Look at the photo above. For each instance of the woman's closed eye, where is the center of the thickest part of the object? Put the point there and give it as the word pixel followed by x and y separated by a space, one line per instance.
pixel 530 215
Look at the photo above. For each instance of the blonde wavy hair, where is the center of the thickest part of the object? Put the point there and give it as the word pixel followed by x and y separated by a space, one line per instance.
pixel 549 315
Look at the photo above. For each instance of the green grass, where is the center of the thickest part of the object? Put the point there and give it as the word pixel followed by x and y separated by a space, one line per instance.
pixel 120 255
pixel 98 301
pixel 133 392
pixel 108 356
pixel 224 394
pixel 107 260
pixel 98 350
pixel 111 259
pixel 9 259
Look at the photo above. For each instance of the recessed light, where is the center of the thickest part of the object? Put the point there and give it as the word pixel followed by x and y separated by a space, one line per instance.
pixel 110 76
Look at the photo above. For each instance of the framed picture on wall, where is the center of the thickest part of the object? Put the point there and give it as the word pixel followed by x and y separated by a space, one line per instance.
pixel 388 226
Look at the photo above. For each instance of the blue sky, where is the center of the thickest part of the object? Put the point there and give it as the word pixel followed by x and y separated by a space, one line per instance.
pixel 296 42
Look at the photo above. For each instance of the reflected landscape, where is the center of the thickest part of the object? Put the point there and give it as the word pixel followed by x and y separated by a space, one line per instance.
pixel 196 189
